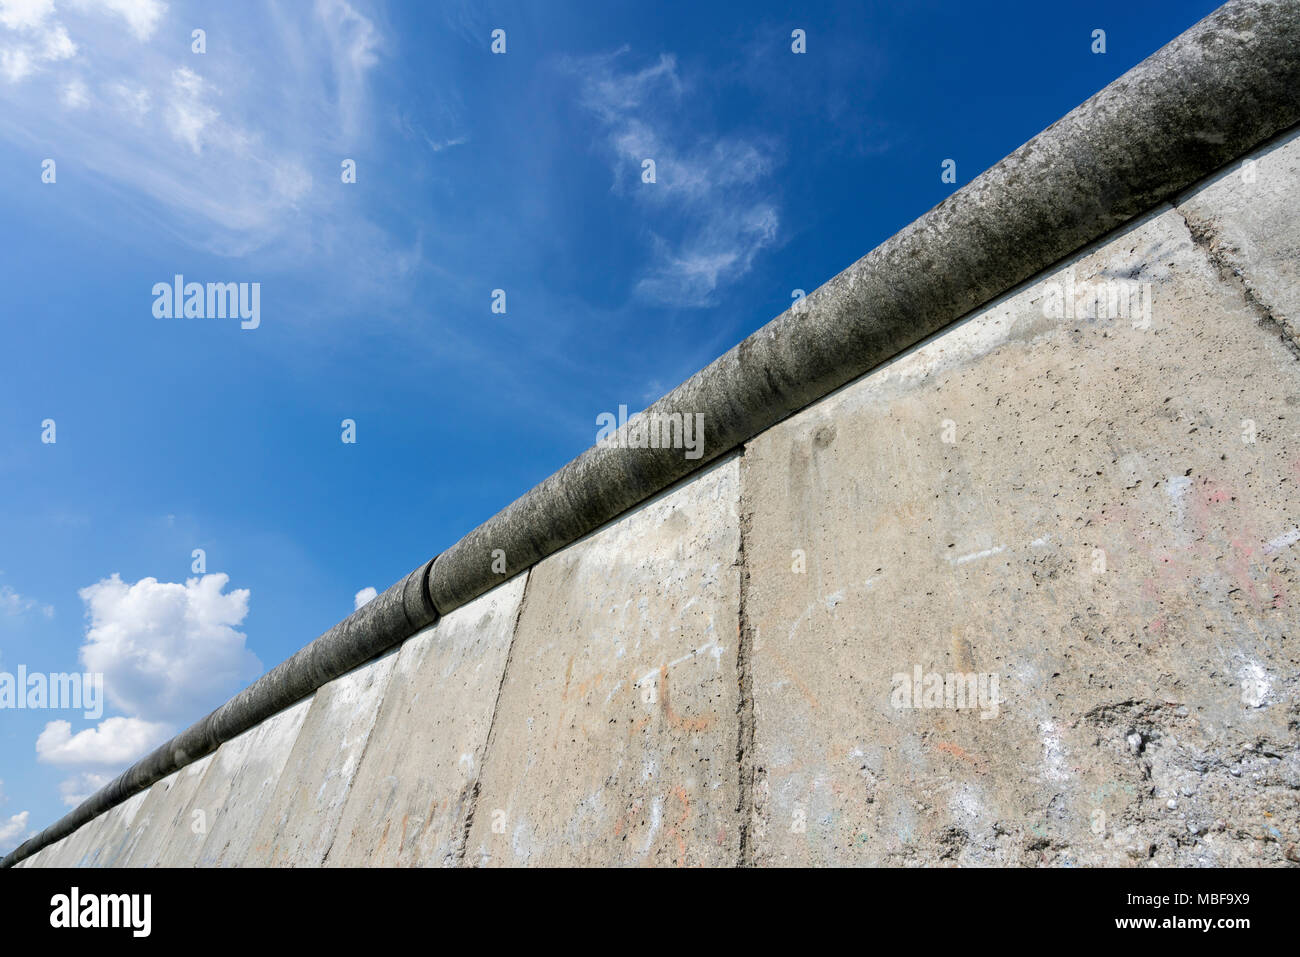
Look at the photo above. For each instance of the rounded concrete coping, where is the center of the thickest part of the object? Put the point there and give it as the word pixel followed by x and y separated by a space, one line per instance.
pixel 1221 88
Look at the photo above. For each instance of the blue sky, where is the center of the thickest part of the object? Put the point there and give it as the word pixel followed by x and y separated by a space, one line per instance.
pixel 475 171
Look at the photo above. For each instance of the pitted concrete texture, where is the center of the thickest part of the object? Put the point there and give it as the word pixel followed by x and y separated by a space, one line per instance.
pixel 1098 513
pixel 237 789
pixel 615 735
pixel 1248 220
pixel 298 826
pixel 413 791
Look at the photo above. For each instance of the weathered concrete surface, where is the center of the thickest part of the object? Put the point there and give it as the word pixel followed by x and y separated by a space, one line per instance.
pixel 235 792
pixel 1248 220
pixel 1070 505
pixel 95 844
pixel 1100 511
pixel 1218 90
pixel 56 854
pixel 414 788
pixel 46 856
pixel 120 836
pixel 81 847
pixel 146 834
pixel 298 826
pixel 148 828
pixel 615 735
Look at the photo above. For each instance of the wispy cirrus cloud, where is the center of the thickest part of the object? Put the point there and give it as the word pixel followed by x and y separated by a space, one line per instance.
pixel 14 605
pixel 711 209
pixel 233 150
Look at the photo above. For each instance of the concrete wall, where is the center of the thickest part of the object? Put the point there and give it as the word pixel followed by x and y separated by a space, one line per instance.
pixel 1094 531
pixel 1099 512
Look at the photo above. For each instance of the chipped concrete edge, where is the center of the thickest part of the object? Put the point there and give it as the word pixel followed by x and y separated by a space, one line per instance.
pixel 1223 87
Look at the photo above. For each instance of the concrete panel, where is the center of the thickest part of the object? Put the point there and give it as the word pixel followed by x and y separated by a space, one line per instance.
pixel 50 855
pixel 1248 218
pixel 153 824
pixel 615 735
pixel 413 790
pixel 56 854
pixel 148 831
pixel 117 837
pixel 80 848
pixel 236 790
pixel 299 824
pixel 1101 513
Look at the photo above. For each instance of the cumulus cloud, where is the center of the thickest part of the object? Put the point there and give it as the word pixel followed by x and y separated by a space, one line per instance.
pixel 708 211
pixel 167 650
pixel 115 742
pixel 13 832
pixel 365 595
pixel 168 653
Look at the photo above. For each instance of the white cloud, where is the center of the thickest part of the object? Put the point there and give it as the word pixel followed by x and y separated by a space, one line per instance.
pixel 612 95
pixel 291 85
pixel 710 216
pixel 437 146
pixel 166 650
pixel 13 832
pixel 35 38
pixel 136 102
pixel 723 248
pixel 365 595
pixel 116 742
pixel 354 48
pixel 188 114
pixel 76 789
pixel 75 94
pixel 25 14
pixel 141 16
pixel 13 605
